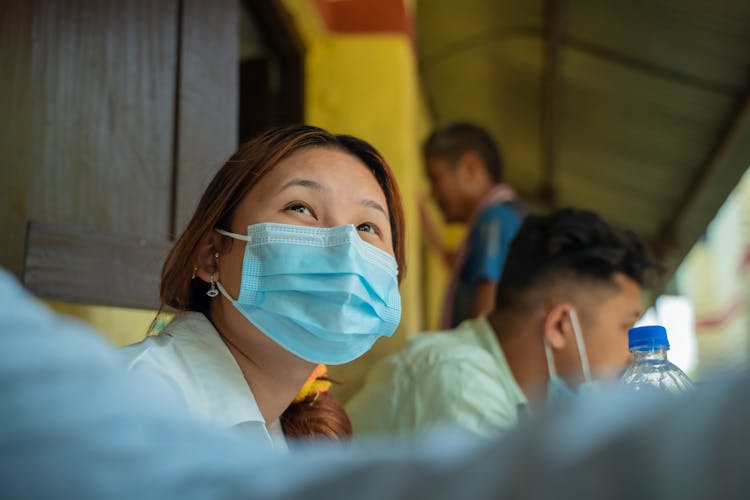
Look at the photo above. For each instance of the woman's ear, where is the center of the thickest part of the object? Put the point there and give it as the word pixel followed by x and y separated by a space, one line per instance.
pixel 207 257
pixel 556 325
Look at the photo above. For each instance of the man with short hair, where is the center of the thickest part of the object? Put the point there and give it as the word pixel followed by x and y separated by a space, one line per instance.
pixel 464 167
pixel 569 294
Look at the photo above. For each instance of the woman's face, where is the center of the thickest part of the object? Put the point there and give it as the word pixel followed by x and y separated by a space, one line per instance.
pixel 317 187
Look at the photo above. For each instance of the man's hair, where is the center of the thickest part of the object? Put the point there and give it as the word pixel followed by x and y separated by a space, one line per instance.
pixel 455 139
pixel 570 247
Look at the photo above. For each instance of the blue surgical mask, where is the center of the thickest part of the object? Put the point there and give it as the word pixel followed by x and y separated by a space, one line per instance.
pixel 323 294
pixel 557 389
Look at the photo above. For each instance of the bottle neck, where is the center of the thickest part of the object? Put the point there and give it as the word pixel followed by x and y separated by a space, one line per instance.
pixel 655 353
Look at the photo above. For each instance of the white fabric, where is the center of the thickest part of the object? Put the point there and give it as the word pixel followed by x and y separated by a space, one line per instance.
pixel 457 377
pixel 190 356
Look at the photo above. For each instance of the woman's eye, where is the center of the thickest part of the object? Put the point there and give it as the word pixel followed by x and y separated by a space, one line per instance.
pixel 299 207
pixel 368 228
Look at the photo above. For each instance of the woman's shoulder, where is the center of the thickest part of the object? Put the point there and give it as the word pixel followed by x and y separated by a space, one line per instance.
pixel 175 356
pixel 168 345
pixel 190 355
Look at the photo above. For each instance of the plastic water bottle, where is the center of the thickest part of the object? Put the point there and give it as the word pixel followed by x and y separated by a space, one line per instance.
pixel 651 368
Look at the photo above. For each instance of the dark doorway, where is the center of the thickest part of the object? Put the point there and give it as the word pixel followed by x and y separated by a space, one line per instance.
pixel 271 71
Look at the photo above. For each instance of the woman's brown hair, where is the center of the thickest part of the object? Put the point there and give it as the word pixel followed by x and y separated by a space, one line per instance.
pixel 227 189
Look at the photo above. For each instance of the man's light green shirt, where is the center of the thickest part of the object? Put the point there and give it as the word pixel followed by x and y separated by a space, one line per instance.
pixel 456 377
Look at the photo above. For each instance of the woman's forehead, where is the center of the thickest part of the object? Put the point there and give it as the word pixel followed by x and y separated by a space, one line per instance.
pixel 331 169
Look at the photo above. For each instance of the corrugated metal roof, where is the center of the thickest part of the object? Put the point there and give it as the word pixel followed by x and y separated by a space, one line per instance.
pixel 638 110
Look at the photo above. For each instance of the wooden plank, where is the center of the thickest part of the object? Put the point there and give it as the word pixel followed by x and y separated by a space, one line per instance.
pixel 76 264
pixel 102 80
pixel 207 115
pixel 15 129
pixel 86 140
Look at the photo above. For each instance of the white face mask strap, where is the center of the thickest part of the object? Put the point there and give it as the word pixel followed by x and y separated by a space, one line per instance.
pixel 224 292
pixel 550 360
pixel 581 345
pixel 236 236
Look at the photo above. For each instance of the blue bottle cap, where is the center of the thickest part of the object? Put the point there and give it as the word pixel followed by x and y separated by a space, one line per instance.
pixel 652 336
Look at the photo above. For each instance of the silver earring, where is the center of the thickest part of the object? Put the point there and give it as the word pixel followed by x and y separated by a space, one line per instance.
pixel 212 292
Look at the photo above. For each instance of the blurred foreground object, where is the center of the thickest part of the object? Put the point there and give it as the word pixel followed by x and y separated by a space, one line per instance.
pixel 76 425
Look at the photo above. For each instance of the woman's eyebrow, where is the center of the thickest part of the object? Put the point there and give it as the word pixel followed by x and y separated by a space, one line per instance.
pixel 373 204
pixel 306 183
pixel 316 186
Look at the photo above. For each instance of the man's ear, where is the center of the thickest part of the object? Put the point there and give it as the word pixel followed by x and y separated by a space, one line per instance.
pixel 207 261
pixel 465 166
pixel 556 325
pixel 470 167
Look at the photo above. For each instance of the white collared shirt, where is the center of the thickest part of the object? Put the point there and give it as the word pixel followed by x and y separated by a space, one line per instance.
pixel 190 356
pixel 457 377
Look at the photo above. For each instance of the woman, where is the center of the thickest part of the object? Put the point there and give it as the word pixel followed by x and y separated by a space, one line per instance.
pixel 292 259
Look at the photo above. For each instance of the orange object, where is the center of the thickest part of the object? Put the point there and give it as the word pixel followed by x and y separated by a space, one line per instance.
pixel 315 385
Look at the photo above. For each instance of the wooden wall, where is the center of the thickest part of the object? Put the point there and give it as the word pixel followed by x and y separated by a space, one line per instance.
pixel 114 116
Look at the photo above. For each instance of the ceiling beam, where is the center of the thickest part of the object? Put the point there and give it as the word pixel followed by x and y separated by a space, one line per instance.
pixel 642 64
pixel 549 97
pixel 732 133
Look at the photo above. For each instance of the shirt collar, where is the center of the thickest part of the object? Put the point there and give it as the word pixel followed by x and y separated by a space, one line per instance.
pixel 228 398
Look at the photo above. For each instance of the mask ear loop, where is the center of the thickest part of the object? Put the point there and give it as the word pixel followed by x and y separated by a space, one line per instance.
pixel 236 236
pixel 580 345
pixel 218 285
pixel 550 360
pixel 225 293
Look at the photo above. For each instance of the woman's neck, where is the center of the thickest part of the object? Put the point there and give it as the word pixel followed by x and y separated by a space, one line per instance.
pixel 273 374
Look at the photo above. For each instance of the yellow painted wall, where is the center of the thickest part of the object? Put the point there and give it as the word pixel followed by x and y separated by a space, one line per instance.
pixel 119 325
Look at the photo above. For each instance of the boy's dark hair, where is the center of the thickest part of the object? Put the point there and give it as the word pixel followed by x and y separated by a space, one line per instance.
pixel 455 139
pixel 571 246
